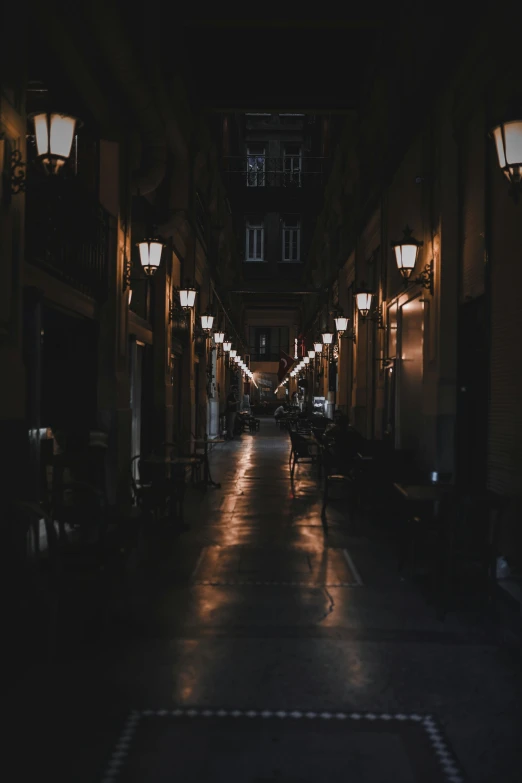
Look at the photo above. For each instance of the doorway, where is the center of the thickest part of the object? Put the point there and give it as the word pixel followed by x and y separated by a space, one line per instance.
pixel 409 419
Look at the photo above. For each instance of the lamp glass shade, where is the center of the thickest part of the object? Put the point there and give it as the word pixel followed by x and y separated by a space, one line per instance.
pixel 364 302
pixel 406 257
pixel 327 338
pixel 341 323
pixel 187 297
pixel 206 322
pixel 54 137
pixel 233 353
pixel 306 360
pixel 227 346
pixel 219 337
pixel 150 255
pixel 508 140
pixel 318 347
pixel 311 354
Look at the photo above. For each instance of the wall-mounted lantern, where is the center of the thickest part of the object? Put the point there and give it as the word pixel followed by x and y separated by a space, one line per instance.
pixel 341 324
pixel 150 255
pixel 364 303
pixel 207 320
pixel 54 136
pixel 187 296
pixel 406 254
pixel 508 140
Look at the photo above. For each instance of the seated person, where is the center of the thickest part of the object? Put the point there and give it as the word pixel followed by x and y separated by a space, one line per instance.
pixel 280 411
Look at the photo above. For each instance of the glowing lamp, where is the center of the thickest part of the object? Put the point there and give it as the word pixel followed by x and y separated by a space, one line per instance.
pixel 54 135
pixel 364 303
pixel 187 297
pixel 150 255
pixel 508 140
pixel 406 252
pixel 341 324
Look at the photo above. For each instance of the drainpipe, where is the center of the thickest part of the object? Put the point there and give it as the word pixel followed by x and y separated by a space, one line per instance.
pixel 117 52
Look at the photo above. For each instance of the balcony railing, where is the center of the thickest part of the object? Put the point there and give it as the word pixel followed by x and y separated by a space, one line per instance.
pixel 265 357
pixel 67 234
pixel 259 171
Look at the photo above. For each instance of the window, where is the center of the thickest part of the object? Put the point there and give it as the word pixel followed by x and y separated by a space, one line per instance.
pixel 255 166
pixel 262 343
pixel 255 239
pixel 292 164
pixel 266 342
pixel 291 238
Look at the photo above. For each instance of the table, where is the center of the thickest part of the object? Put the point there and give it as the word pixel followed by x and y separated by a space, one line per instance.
pixel 158 459
pixel 422 495
pixel 208 480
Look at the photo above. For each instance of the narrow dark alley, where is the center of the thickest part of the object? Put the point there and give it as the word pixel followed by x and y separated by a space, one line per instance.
pixel 258 646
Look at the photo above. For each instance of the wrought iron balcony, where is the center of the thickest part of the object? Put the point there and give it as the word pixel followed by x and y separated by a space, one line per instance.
pixel 265 357
pixel 259 171
pixel 67 234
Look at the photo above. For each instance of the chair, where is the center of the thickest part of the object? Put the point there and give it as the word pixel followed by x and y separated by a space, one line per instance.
pixel 304 426
pixel 149 494
pixel 253 424
pixel 338 469
pixel 198 456
pixel 304 449
pixel 83 507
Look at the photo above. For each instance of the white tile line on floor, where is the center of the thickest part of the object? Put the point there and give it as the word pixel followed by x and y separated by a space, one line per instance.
pixel 351 566
pixel 440 747
pixel 122 748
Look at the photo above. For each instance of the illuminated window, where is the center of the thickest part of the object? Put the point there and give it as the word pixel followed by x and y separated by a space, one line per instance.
pixel 255 166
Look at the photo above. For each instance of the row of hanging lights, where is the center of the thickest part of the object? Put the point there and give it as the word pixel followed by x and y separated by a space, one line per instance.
pixel 54 135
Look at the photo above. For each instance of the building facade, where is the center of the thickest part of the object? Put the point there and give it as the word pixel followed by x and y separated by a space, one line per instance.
pixel 433 367
pixel 89 343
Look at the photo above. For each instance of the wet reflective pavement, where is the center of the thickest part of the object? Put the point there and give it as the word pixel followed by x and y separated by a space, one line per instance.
pixel 259 646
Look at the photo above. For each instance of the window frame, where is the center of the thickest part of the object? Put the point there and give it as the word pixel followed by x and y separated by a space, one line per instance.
pixel 257 177
pixel 292 177
pixel 289 228
pixel 254 224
